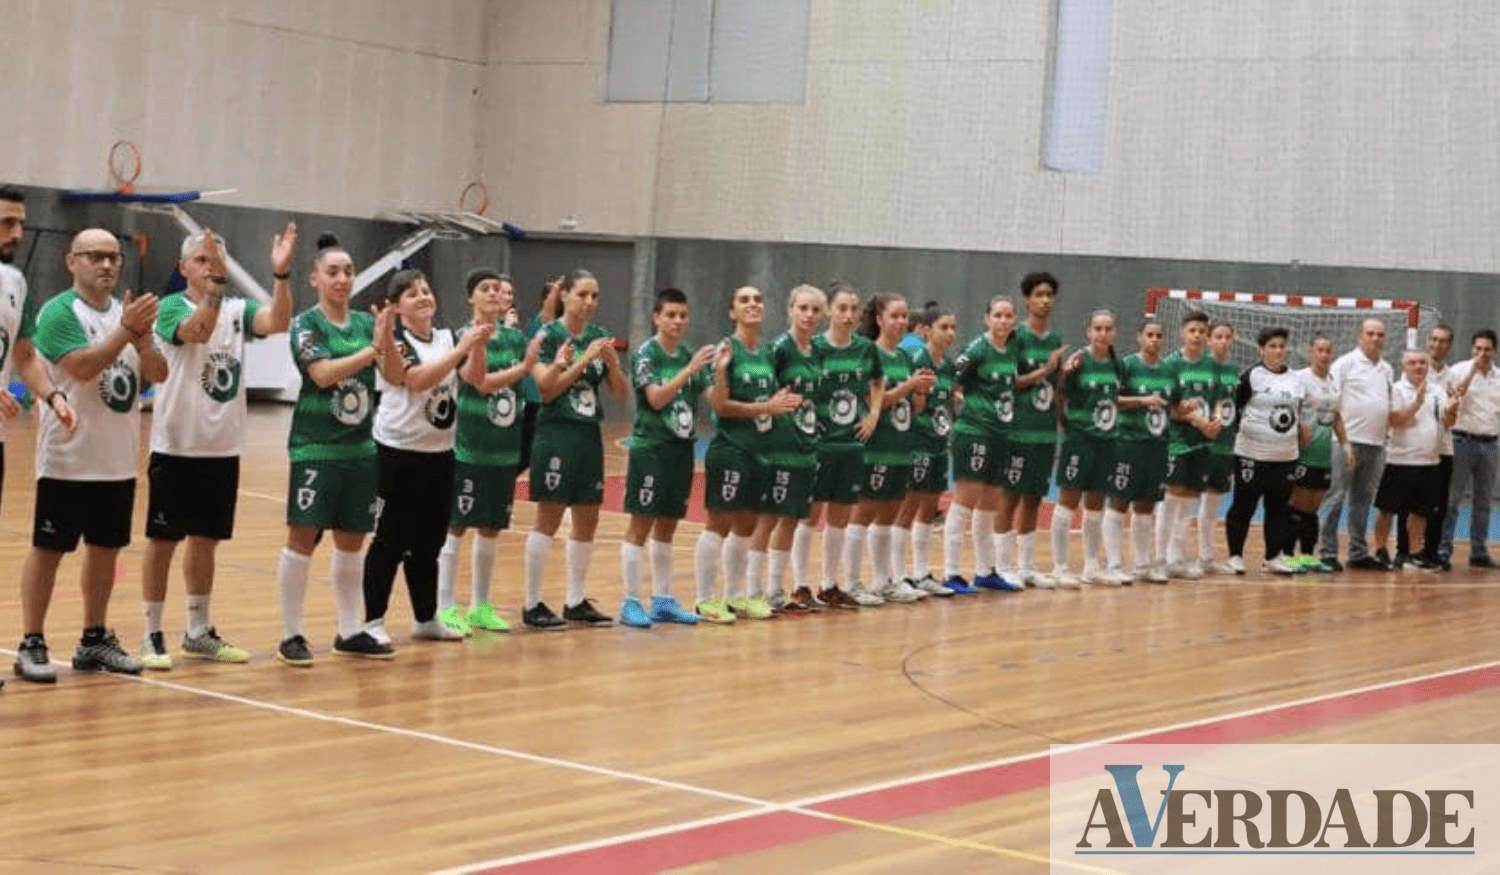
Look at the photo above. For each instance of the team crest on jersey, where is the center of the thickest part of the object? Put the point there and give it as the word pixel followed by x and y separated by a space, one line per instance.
pixel 647 493
pixel 942 421
pixel 306 346
pixel 553 477
pixel 807 417
pixel 680 419
pixel 118 387
pixel 501 408
pixel 901 415
pixel 843 407
pixel 221 377
pixel 1005 407
pixel 1225 412
pixel 1105 414
pixel 1042 400
pixel 1156 421
pixel 585 402
pixel 1283 418
pixel 439 407
pixel 350 404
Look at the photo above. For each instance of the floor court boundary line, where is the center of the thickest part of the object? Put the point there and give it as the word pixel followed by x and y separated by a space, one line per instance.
pixel 803 804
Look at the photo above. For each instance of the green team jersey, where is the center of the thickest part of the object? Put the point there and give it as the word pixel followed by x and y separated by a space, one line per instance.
pixel 987 376
pixel 844 391
pixel 1225 408
pixel 676 421
pixel 1195 381
pixel 935 421
pixel 489 426
pixel 580 401
pixel 1140 380
pixel 1320 400
pixel 893 442
pixel 1036 409
pixel 1093 394
pixel 801 372
pixel 750 378
pixel 331 424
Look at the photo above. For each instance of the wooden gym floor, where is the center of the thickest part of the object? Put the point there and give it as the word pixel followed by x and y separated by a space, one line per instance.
pixel 889 740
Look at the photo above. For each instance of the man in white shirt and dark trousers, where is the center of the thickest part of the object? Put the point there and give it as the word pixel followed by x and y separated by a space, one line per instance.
pixel 1476 383
pixel 1439 344
pixel 1409 483
pixel 1363 381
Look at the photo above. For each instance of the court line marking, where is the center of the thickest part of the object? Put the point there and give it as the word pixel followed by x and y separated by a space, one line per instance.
pixel 802 805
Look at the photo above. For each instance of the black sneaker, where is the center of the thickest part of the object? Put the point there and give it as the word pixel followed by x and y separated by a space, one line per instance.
pixel 105 654
pixel 1483 560
pixel 1332 563
pixel 1422 563
pixel 361 644
pixel 1385 558
pixel 1401 561
pixel 540 617
pixel 32 663
pixel 1368 563
pixel 584 612
pixel 294 651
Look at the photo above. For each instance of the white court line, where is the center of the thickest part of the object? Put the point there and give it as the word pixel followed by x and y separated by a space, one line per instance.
pixel 800 806
pixel 253 494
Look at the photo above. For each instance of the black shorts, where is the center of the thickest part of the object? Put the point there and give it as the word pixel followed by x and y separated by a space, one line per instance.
pixel 99 511
pixel 191 496
pixel 1408 488
pixel 1313 479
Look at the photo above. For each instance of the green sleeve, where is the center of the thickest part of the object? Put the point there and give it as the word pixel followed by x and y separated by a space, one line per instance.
pixel 58 331
pixel 251 308
pixel 173 309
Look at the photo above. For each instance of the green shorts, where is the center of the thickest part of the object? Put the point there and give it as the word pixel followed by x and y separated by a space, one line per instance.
pixel 885 482
pixel 1028 469
pixel 1188 470
pixel 841 473
pixel 1138 471
pixel 567 463
pixel 1084 462
pixel 483 496
pixel 330 494
pixel 788 492
pixel 1221 471
pixel 978 458
pixel 659 480
pixel 929 474
pixel 734 480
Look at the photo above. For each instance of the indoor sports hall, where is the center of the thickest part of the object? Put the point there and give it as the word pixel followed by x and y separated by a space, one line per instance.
pixel 1307 165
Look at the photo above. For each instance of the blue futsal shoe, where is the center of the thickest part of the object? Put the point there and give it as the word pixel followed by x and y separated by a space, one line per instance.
pixel 665 609
pixel 959 585
pixel 632 614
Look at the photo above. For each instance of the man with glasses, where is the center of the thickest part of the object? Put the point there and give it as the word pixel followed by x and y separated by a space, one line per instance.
pixel 99 348
pixel 1477 383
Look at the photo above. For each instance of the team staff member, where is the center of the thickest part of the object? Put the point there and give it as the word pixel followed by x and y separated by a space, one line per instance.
pixel 198 433
pixel 1363 380
pixel 100 349
pixel 1409 481
pixel 1439 344
pixel 1477 384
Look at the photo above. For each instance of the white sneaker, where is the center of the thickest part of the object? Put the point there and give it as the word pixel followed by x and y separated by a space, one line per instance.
pixel 1039 580
pixel 864 597
pixel 376 629
pixel 1184 571
pixel 1213 566
pixel 1068 580
pixel 932 586
pixel 901 592
pixel 1114 576
pixel 1276 566
pixel 1153 574
pixel 1236 564
pixel 433 630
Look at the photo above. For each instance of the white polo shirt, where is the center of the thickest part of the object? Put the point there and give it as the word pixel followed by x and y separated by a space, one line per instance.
pixel 1479 412
pixel 1364 389
pixel 1416 443
pixel 1441 379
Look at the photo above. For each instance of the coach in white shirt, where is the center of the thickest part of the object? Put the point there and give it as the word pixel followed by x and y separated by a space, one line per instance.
pixel 1439 344
pixel 1363 382
pixel 1477 384
pixel 1419 413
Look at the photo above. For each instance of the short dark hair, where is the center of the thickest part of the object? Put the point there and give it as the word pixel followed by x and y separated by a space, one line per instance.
pixel 1488 333
pixel 12 194
pixel 1195 316
pixel 669 296
pixel 1268 334
pixel 1031 281
pixel 402 280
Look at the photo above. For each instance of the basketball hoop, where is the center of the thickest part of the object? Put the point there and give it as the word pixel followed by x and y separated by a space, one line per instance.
pixel 475 198
pixel 124 166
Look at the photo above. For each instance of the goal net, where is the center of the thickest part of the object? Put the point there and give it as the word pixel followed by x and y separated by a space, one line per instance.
pixel 1303 315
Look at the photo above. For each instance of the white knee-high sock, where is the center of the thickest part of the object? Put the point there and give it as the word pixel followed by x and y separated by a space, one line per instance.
pixel 538 551
pixel 1005 553
pixel 1208 513
pixel 155 611
pixel 736 550
pixel 630 569
pixel 482 558
pixel 447 569
pixel 1142 528
pixel 854 552
pixel 1062 525
pixel 755 573
pixel 880 555
pixel 900 541
pixel 833 555
pixel 984 542
pixel 661 567
pixel 347 571
pixel 706 561
pixel 579 554
pixel 1186 512
pixel 1027 543
pixel 1164 517
pixel 778 562
pixel 921 549
pixel 801 556
pixel 291 585
pixel 957 521
pixel 1114 539
pixel 1093 537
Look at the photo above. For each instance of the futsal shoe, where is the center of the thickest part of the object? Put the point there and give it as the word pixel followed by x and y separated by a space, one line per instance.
pixel 154 655
pixel 751 607
pixel 457 619
pixel 1332 563
pixel 633 614
pixel 362 644
pixel 1277 565
pixel 865 598
pixel 834 597
pixel 585 613
pixel 901 592
pixel 294 651
pixel 541 618
pixel 32 663
pixel 211 647
pixel 803 596
pixel 930 585
pixel 1152 574
pixel 715 611
pixel 665 609
pixel 1184 571
pixel 484 616
pixel 1481 560
pixel 998 582
pixel 1067 580
pixel 435 630
pixel 1214 566
pixel 105 654
pixel 958 586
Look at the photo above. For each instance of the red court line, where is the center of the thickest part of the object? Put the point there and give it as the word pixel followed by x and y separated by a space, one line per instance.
pixel 924 796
